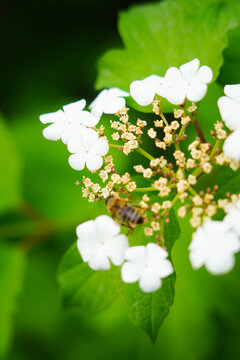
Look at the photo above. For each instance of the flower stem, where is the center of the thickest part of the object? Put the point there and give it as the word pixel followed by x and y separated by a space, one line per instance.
pixel 144 153
pixel 199 130
pixel 115 146
pixel 145 189
pixel 164 119
pixel 192 191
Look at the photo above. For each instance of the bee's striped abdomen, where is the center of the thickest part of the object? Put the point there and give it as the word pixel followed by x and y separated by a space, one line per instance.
pixel 130 215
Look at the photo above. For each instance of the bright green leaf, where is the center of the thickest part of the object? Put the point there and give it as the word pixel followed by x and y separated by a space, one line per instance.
pixel 169 33
pixel 82 287
pixel 10 169
pixel 11 274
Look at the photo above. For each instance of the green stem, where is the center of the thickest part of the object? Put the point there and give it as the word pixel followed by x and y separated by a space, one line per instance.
pixel 164 119
pixel 144 153
pixel 192 191
pixel 115 146
pixel 145 189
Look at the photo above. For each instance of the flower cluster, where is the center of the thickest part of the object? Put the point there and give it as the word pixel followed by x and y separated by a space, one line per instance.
pixel 169 181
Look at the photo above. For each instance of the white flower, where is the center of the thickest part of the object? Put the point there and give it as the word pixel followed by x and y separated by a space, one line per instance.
pixel 232 219
pixel 214 245
pixel 88 150
pixel 231 146
pixel 188 82
pixel 67 122
pixel 148 265
pixel 143 91
pixel 99 242
pixel 229 106
pixel 108 101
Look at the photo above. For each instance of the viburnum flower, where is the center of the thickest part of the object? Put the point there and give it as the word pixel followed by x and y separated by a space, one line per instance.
pixel 143 91
pixel 99 242
pixel 87 150
pixel 189 82
pixel 231 146
pixel 148 265
pixel 214 246
pixel 229 106
pixel 232 219
pixel 108 101
pixel 67 122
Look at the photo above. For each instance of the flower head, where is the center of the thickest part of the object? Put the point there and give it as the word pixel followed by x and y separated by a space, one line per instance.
pixel 148 265
pixel 214 245
pixel 68 122
pixel 108 101
pixel 187 82
pixel 143 91
pixel 99 242
pixel 229 106
pixel 231 146
pixel 87 150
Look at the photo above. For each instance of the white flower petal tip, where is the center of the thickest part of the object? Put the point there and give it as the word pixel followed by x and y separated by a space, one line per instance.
pixel 231 146
pixel 147 265
pixel 233 217
pixel 68 122
pixel 100 242
pixel 108 101
pixel 214 245
pixel 229 106
pixel 188 82
pixel 143 91
pixel 88 150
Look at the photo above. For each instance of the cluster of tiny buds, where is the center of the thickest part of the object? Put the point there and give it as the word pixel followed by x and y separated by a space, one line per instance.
pixel 129 133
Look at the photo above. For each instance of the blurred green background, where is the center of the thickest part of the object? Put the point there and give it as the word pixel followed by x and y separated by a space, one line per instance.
pixel 49 58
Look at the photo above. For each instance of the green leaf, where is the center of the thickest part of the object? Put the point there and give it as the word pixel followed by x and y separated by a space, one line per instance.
pixel 82 287
pixel 169 33
pixel 149 310
pixel 11 276
pixel 10 186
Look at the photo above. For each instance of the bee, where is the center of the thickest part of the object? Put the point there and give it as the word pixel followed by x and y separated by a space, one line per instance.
pixel 124 212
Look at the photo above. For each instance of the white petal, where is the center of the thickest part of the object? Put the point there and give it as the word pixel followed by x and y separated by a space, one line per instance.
pixel 189 69
pixel 116 249
pixel 57 116
pixel 176 95
pixel 136 254
pixel 155 252
pixel 149 282
pixel 163 268
pixel 233 220
pixel 197 257
pixel 233 91
pixel 130 272
pixel 98 104
pixel 116 92
pixel 230 112
pixel 99 262
pixel 114 105
pixel 73 131
pixel 53 132
pixel 73 110
pixel 105 224
pixel 196 91
pixel 220 263
pixel 90 137
pixel 101 147
pixel 76 144
pixel 86 248
pixel 88 119
pixel 204 75
pixel 231 146
pixel 77 161
pixel 174 77
pixel 93 162
pixel 86 228
pixel 141 93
